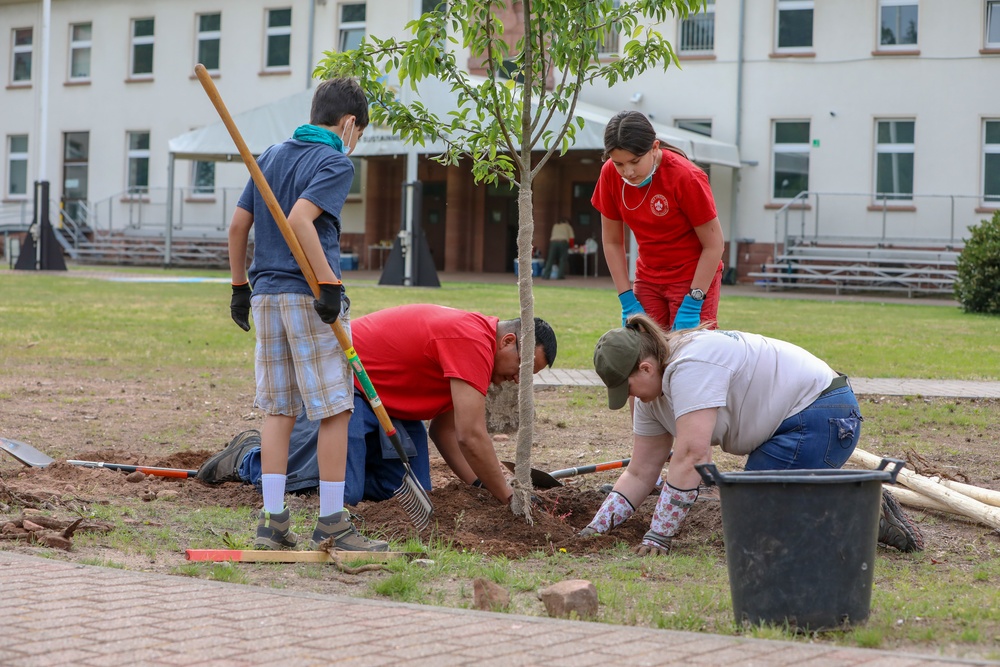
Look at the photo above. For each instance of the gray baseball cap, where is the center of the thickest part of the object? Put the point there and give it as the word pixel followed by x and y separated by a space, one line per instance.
pixel 615 357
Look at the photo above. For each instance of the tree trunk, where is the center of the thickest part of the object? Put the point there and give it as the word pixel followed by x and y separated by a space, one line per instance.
pixel 521 503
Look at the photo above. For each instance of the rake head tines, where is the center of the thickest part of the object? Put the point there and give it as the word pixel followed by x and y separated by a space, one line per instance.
pixel 415 502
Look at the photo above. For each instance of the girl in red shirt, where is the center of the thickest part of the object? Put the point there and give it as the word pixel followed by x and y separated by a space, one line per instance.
pixel 668 205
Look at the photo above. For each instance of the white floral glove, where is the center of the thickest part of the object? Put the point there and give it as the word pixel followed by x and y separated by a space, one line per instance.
pixel 615 509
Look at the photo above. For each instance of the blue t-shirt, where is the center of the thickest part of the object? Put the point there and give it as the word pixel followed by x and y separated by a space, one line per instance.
pixel 296 170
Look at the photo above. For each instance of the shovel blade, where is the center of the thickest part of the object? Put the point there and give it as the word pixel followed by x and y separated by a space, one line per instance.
pixel 539 479
pixel 25 453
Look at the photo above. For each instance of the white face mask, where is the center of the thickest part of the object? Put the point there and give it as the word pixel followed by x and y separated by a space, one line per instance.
pixel 348 146
pixel 646 181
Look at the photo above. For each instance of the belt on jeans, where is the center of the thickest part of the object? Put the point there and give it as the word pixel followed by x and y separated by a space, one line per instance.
pixel 839 382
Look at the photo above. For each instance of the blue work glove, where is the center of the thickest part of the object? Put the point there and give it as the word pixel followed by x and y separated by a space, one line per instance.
pixel 239 305
pixel 688 316
pixel 630 305
pixel 329 301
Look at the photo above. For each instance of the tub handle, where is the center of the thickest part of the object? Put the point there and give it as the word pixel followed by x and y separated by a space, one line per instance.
pixel 895 471
pixel 709 473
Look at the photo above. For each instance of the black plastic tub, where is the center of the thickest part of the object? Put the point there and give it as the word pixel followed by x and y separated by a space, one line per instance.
pixel 800 544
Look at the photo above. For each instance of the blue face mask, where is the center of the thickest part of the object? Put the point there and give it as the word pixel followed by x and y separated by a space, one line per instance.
pixel 646 181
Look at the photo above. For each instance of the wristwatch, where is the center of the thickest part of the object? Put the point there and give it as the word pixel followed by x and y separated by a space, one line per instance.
pixel 697 294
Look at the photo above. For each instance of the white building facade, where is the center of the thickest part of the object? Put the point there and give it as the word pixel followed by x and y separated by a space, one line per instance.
pixel 886 113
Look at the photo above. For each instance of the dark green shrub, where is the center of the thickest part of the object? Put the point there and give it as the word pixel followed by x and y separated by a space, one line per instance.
pixel 978 285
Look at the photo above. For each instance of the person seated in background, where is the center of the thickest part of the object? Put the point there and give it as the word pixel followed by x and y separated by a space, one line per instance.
pixel 559 244
pixel 426 362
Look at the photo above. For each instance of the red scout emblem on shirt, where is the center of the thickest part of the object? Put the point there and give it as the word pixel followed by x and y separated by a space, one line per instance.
pixel 658 205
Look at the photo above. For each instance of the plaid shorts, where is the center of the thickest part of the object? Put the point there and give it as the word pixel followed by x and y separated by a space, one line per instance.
pixel 299 361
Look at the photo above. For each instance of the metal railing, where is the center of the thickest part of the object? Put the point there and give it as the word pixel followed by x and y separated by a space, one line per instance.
pixel 697 34
pixel 875 218
pixel 195 211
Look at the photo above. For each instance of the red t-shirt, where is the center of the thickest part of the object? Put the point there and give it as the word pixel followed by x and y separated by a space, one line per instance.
pixel 661 215
pixel 412 352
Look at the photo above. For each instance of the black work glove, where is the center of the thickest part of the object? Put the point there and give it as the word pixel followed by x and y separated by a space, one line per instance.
pixel 239 306
pixel 653 544
pixel 329 301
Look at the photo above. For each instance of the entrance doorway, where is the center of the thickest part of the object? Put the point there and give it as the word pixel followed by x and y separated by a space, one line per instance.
pixel 76 155
pixel 500 230
pixel 432 220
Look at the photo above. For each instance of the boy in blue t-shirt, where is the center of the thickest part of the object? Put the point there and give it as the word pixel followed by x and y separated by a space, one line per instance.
pixel 298 359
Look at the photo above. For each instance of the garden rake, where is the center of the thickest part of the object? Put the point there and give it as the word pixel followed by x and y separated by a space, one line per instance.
pixel 410 494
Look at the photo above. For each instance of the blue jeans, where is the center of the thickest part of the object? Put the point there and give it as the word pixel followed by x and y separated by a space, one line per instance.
pixel 374 471
pixel 823 435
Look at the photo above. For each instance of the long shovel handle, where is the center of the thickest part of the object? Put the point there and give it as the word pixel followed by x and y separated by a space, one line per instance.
pixel 149 470
pixel 582 470
pixel 307 271
pixel 293 244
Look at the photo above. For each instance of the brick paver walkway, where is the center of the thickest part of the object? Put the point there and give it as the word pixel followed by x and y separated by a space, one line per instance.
pixel 58 613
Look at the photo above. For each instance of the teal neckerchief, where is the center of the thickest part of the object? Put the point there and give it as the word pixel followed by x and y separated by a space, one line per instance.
pixel 318 135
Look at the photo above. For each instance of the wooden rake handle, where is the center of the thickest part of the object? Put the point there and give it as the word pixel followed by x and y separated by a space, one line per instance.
pixel 293 243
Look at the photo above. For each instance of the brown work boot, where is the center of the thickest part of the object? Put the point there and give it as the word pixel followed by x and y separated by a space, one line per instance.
pixel 225 465
pixel 274 531
pixel 895 529
pixel 345 536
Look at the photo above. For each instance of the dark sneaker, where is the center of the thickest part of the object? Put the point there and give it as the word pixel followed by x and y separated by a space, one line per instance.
pixel 225 466
pixel 274 531
pixel 895 529
pixel 345 536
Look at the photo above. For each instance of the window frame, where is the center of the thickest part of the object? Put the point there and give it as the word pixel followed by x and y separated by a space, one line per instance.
pixel 77 46
pixel 790 6
pixel 135 156
pixel 894 148
pixel 137 41
pixel 990 148
pixel 702 126
pixel 17 52
pixel 346 28
pixel 991 19
pixel 201 191
pixel 201 36
pixel 612 46
pixel 275 32
pixel 19 157
pixel 788 148
pixel 899 46
pixel 700 17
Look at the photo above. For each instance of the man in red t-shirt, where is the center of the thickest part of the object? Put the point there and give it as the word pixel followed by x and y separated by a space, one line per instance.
pixel 426 362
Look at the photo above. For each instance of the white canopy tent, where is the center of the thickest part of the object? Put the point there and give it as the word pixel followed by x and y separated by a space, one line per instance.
pixel 275 122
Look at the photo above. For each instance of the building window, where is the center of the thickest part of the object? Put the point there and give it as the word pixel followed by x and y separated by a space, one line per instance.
pixel 278 49
pixel 698 31
pixel 203 178
pixel 898 23
pixel 991 162
pixel 79 51
pixel 894 159
pixel 138 163
pixel 20 57
pixel 142 47
pixel 993 24
pixel 795 24
pixel 17 165
pixel 790 158
pixel 209 38
pixel 352 26
pixel 608 45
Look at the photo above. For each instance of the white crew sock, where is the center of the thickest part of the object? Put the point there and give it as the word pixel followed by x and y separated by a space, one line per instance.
pixel 331 497
pixel 273 487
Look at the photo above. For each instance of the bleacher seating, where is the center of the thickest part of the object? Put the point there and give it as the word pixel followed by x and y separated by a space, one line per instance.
pixel 882 267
